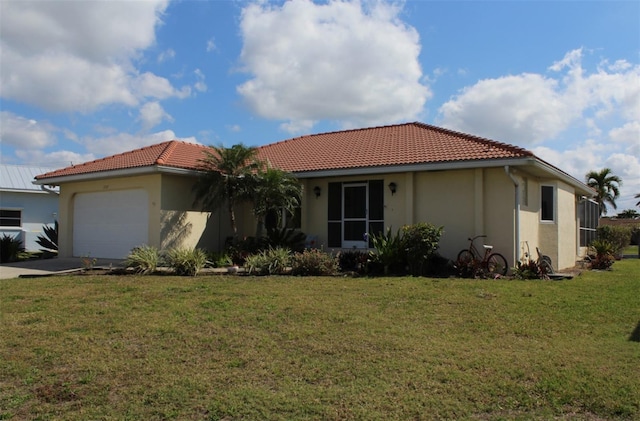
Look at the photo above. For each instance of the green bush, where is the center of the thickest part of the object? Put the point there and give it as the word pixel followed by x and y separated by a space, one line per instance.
pixel 618 236
pixel 219 259
pixel 143 259
pixel 353 261
pixel 286 238
pixel 602 254
pixel 10 247
pixel 186 261
pixel 314 262
pixel 531 269
pixel 273 261
pixel 389 252
pixel 420 242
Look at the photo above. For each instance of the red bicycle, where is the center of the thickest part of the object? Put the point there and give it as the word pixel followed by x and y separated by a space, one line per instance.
pixel 490 263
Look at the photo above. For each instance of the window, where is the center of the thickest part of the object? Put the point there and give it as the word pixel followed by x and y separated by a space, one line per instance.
pixel 589 214
pixel 10 218
pixel 547 203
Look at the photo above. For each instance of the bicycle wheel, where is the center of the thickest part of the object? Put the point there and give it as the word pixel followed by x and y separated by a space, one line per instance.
pixel 497 264
pixel 465 257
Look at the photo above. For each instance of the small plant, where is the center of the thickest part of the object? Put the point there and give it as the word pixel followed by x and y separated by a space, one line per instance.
pixel 420 243
pixel 273 261
pixel 10 248
pixel 143 259
pixel 602 254
pixel 88 262
pixel 530 269
pixel 286 237
pixel 314 262
pixel 49 241
pixel 185 261
pixel 353 261
pixel 388 252
pixel 219 259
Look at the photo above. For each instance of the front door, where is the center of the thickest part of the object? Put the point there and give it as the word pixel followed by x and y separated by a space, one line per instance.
pixel 354 215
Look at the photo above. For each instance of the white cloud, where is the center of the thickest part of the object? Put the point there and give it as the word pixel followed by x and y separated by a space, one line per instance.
pixel 168 54
pixel 21 132
pixel 510 109
pixel 122 142
pixel 629 137
pixel 211 45
pixel 79 56
pixel 355 62
pixel 200 86
pixel 152 114
pixel 57 159
pixel 530 109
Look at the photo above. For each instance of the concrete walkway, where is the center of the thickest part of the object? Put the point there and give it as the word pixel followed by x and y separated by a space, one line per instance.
pixel 45 267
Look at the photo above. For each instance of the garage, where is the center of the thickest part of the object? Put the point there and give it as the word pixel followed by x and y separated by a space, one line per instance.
pixel 109 224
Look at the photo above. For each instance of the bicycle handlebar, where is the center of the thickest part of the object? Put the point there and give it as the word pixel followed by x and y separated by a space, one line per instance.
pixel 477 236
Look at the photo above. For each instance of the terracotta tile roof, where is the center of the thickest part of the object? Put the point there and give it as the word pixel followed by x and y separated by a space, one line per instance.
pixel 402 144
pixel 172 153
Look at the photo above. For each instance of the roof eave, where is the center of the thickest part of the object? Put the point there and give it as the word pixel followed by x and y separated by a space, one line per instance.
pixel 125 172
pixel 434 166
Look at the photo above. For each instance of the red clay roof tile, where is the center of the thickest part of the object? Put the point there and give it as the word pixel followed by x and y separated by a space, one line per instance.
pixel 402 144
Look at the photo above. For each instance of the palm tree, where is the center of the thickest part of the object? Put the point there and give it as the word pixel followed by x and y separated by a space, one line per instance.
pixel 607 187
pixel 274 190
pixel 638 197
pixel 628 214
pixel 227 177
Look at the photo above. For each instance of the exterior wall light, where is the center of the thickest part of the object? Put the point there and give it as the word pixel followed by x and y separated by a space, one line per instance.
pixel 317 190
pixel 393 187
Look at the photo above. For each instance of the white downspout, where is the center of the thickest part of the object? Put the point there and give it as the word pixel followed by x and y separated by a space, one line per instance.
pixel 516 255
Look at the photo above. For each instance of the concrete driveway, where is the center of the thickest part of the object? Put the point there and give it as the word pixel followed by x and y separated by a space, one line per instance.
pixel 45 267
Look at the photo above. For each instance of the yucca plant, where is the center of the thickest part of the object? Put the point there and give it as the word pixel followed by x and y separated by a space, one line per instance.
pixel 603 254
pixel 143 259
pixel 186 261
pixel 273 261
pixel 10 247
pixel 49 241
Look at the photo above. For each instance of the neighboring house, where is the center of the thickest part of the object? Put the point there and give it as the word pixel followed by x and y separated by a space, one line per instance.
pixel 25 208
pixel 355 181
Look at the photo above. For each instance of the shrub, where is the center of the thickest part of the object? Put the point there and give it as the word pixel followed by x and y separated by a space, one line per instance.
pixel 389 252
pixel 10 247
pixel 530 269
pixel 219 260
pixel 602 254
pixel 314 262
pixel 353 261
pixel 185 261
pixel 273 261
pixel 618 236
pixel 49 241
pixel 419 243
pixel 286 238
pixel 143 259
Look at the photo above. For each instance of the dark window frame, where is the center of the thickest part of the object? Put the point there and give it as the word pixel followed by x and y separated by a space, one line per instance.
pixel 547 203
pixel 11 218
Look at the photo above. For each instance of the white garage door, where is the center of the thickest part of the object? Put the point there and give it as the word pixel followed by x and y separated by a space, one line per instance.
pixel 110 224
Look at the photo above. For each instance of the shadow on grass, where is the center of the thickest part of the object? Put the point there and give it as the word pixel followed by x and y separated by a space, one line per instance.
pixel 635 335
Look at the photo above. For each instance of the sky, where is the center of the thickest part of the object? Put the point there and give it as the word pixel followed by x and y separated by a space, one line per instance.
pixel 80 80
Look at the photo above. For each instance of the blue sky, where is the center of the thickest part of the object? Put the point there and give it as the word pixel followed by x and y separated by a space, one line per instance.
pixel 83 80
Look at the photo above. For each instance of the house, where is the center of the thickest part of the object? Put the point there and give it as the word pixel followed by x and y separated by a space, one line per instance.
pixel 355 182
pixel 25 208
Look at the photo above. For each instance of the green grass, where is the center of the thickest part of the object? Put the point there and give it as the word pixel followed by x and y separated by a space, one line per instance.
pixel 630 250
pixel 282 348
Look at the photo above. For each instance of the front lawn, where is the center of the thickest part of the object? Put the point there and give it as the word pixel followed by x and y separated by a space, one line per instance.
pixel 227 347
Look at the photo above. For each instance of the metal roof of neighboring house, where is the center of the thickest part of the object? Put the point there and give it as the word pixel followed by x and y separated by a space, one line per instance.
pixel 19 178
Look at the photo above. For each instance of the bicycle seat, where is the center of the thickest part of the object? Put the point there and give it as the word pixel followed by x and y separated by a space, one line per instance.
pixel 486 247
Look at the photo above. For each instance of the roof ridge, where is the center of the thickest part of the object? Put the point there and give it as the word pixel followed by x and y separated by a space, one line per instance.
pixel 361 129
pixel 475 138
pixel 166 153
